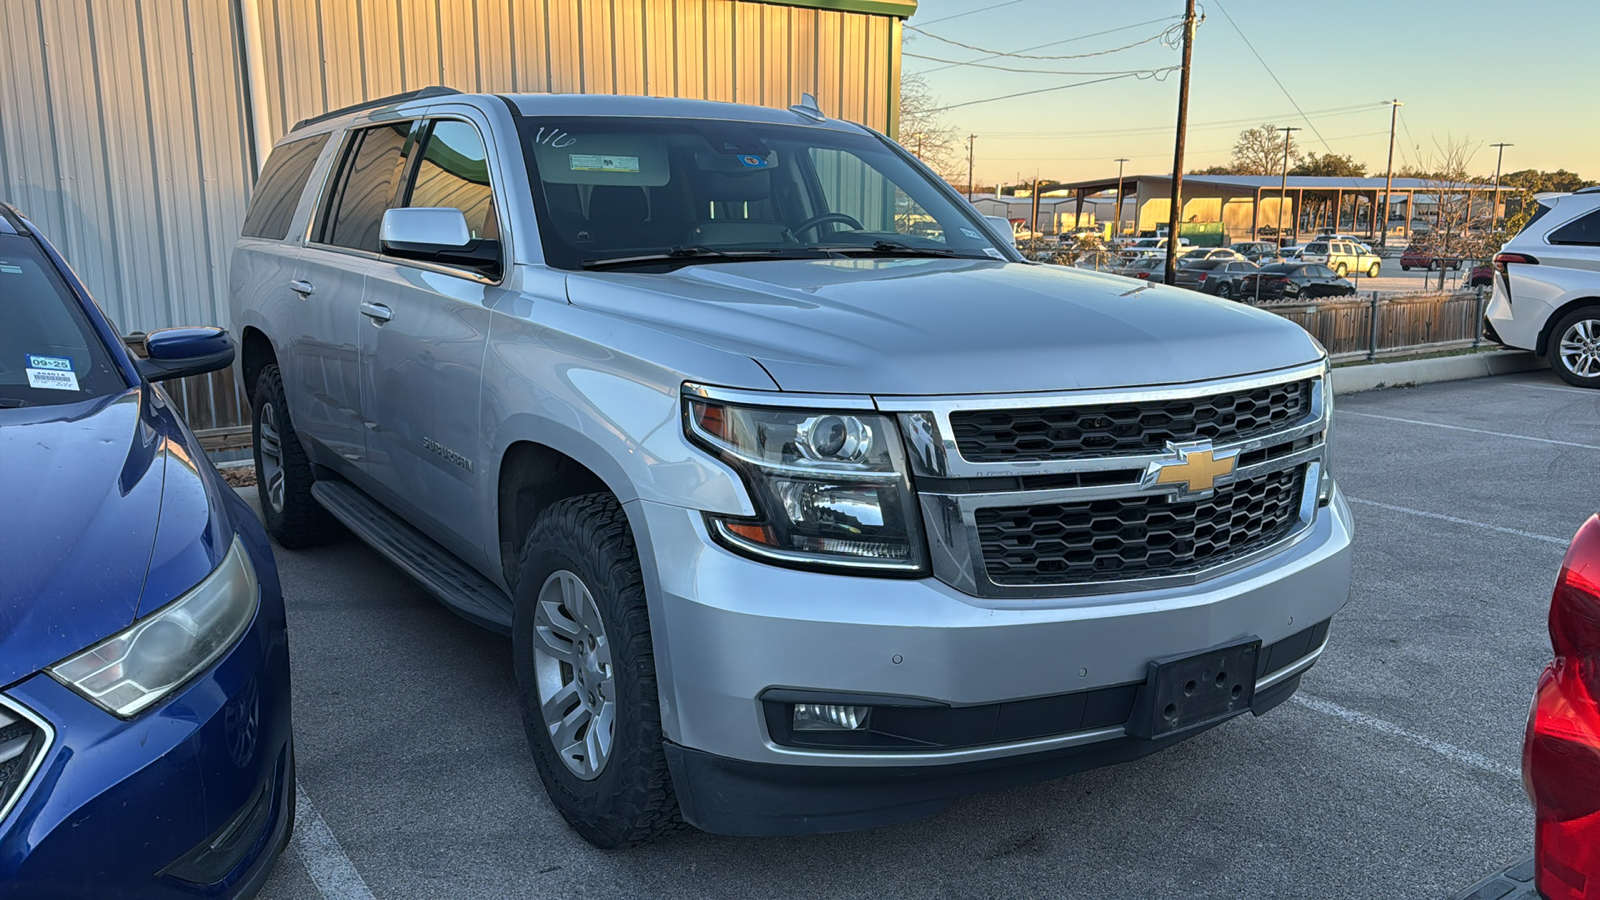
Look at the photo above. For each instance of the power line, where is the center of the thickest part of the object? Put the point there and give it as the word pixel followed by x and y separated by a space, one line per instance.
pixel 1080 37
pixel 1016 54
pixel 1160 155
pixel 973 11
pixel 1274 76
pixel 1156 74
pixel 1040 71
pixel 1158 129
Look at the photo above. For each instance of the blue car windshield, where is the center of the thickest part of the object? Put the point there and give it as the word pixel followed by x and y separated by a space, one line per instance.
pixel 710 190
pixel 50 353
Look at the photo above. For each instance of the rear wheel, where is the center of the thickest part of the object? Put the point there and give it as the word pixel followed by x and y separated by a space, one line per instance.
pixel 1225 291
pixel 283 472
pixel 586 675
pixel 1574 347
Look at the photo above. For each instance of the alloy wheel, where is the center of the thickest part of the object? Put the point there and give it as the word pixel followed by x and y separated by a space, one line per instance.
pixel 271 447
pixel 1580 348
pixel 574 673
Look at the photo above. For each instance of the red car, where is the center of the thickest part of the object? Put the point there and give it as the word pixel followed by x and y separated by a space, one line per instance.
pixel 1480 275
pixel 1420 257
pixel 1561 753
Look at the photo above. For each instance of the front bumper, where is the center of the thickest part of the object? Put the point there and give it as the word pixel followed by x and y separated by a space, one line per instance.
pixel 730 630
pixel 119 808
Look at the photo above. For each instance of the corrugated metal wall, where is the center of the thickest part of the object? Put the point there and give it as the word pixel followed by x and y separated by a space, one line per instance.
pixel 122 133
pixel 125 128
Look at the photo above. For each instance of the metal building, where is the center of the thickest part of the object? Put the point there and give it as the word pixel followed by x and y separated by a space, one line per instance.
pixel 132 130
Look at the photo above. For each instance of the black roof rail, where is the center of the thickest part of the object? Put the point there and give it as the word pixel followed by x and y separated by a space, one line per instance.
pixel 437 90
pixel 14 218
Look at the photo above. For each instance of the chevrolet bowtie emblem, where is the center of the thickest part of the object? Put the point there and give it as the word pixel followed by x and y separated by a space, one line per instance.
pixel 1195 466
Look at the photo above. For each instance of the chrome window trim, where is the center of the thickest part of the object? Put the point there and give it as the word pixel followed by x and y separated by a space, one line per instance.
pixel 38 759
pixel 933 444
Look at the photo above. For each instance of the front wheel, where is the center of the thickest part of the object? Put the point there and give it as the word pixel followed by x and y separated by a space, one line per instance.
pixel 1574 347
pixel 283 471
pixel 1225 291
pixel 586 677
pixel 1373 272
pixel 1341 270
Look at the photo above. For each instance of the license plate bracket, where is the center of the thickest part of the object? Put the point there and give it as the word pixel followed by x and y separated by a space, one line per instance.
pixel 1187 692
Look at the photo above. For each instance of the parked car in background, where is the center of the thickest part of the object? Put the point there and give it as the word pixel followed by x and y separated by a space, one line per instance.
pixel 1223 279
pixel 1343 257
pixel 1344 237
pixel 1149 247
pixel 1149 268
pixel 747 569
pixel 1547 287
pixel 1200 253
pixel 1256 250
pixel 1293 281
pixel 1419 256
pixel 144 730
pixel 1561 749
pixel 1480 275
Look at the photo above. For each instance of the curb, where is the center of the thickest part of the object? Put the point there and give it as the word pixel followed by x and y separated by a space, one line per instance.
pixel 1355 379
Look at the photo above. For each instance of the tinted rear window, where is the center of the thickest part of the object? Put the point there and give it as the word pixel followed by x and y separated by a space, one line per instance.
pixel 50 354
pixel 1584 230
pixel 278 192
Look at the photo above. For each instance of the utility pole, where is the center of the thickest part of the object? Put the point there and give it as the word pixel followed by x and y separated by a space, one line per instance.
pixel 970 139
pixel 1177 149
pixel 1494 204
pixel 1388 178
pixel 1118 229
pixel 1283 196
pixel 1033 214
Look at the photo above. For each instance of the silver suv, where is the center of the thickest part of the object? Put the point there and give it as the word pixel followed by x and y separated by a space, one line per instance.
pixel 806 502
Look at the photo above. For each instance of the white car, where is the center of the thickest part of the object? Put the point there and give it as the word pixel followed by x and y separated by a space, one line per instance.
pixel 1547 287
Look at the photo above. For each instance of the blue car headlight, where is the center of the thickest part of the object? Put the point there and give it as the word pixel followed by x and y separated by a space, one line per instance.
pixel 138 666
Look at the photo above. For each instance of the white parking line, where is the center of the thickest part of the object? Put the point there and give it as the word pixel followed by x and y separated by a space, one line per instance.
pixel 319 851
pixel 1560 390
pixel 1451 751
pixel 1520 437
pixel 1561 542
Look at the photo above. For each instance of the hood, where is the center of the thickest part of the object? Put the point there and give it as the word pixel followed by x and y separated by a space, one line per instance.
pixel 949 326
pixel 102 510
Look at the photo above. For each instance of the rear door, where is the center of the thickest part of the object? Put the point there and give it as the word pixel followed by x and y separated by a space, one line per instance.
pixel 325 350
pixel 422 357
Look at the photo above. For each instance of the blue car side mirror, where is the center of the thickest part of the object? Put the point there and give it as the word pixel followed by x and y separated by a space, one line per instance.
pixel 181 352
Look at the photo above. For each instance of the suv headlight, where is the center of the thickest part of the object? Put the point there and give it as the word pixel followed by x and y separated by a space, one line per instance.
pixel 829 488
pixel 130 670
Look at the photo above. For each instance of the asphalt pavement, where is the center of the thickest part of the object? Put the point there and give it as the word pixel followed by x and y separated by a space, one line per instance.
pixel 1394 773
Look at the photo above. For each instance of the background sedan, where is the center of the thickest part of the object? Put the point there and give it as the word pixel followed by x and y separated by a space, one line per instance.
pixel 1293 281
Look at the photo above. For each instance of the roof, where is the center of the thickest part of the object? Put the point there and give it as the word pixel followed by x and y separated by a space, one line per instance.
pixel 1251 183
pixel 900 8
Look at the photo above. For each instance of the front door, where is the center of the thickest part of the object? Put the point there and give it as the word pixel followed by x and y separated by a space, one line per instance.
pixel 422 345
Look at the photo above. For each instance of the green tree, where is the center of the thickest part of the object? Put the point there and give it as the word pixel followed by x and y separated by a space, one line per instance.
pixel 1330 165
pixel 1536 181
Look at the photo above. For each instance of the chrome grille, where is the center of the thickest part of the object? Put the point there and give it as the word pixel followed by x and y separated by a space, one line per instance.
pixel 23 740
pixel 1119 429
pixel 1136 537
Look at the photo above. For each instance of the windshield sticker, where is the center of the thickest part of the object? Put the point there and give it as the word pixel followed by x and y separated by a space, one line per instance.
pixel 56 363
pixel 970 233
pixel 584 162
pixel 751 161
pixel 994 253
pixel 52 379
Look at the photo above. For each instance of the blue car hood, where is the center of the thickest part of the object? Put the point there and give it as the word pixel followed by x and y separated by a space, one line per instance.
pixel 105 515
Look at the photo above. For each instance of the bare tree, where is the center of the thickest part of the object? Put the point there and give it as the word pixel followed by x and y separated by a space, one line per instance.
pixel 923 129
pixel 1259 151
pixel 1460 227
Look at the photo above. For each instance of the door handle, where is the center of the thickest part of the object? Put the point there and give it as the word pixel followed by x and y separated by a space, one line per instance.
pixel 376 311
pixel 303 288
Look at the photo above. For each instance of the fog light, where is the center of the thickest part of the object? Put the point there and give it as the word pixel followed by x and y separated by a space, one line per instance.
pixel 829 717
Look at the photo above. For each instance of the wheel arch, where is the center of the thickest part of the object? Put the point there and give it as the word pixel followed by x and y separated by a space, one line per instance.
pixel 1557 315
pixel 255 353
pixel 531 477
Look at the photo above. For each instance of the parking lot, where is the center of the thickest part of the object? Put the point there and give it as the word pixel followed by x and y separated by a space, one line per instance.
pixel 1394 773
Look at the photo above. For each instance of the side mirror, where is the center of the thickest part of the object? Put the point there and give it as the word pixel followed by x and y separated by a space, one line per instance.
pixel 438 235
pixel 1002 228
pixel 181 352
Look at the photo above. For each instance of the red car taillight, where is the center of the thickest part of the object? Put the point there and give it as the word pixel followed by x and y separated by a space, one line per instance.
pixel 1561 753
pixel 1203 277
pixel 1500 260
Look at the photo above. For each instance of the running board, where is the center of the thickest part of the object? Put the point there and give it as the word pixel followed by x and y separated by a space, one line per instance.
pixel 466 593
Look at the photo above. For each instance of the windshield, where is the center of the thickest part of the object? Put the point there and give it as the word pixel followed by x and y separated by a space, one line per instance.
pixel 49 353
pixel 609 189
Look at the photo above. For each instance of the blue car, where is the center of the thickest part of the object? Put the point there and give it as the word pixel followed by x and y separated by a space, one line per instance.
pixel 144 666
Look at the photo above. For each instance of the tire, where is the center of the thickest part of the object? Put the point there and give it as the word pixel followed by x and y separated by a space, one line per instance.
pixel 1225 291
pixel 291 515
pixel 1405 268
pixel 1580 329
pixel 626 798
pixel 1342 270
pixel 1373 272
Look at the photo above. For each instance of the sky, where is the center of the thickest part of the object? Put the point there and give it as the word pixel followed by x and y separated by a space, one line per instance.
pixel 1469 71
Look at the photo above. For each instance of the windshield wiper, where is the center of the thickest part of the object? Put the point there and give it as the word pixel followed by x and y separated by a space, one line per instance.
pixel 895 248
pixel 12 403
pixel 691 254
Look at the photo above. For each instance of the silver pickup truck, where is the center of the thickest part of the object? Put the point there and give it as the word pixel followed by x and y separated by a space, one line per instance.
pixel 806 502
